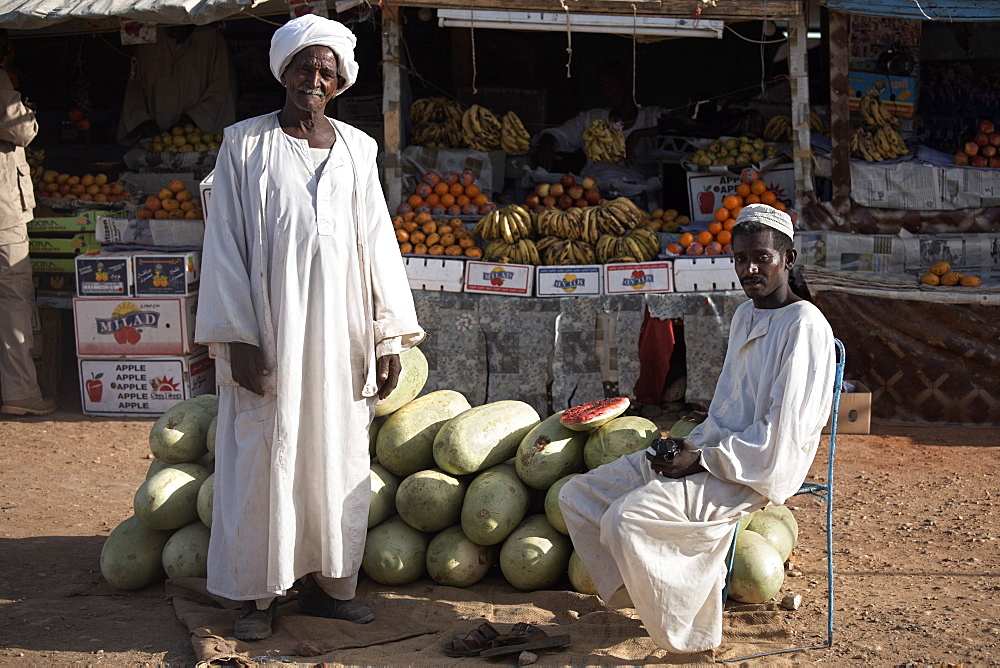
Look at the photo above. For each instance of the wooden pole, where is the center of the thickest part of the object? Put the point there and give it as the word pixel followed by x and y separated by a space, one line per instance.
pixel 840 113
pixel 392 174
pixel 799 71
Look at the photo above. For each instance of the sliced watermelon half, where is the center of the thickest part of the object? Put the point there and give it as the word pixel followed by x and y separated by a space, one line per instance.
pixel 593 414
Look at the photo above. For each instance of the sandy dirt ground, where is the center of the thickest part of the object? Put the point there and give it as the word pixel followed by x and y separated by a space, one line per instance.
pixel 917 522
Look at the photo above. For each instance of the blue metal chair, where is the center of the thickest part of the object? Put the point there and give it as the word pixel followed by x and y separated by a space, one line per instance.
pixel 823 492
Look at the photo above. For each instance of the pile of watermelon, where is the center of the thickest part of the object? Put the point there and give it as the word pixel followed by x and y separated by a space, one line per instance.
pixel 167 536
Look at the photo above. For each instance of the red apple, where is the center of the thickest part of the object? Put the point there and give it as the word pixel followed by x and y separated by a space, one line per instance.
pixel 995 139
pixel 961 159
pixel 589 182
pixel 581 203
pixel 537 209
pixel 548 200
pixel 567 180
pixel 982 139
pixel 575 191
pixel 542 189
pixel 980 161
pixel 995 162
pixel 971 148
pixel 986 127
pixel 532 200
pixel 989 151
pixel 565 201
pixel 557 190
pixel 592 195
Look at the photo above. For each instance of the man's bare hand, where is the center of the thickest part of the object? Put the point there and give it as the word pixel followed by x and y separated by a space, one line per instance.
pixel 246 363
pixel 387 370
pixel 686 462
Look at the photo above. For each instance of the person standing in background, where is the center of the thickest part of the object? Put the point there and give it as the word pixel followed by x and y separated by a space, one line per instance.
pixel 183 77
pixel 18 127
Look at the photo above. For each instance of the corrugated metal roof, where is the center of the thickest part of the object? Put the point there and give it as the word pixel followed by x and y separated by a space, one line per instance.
pixel 934 10
pixel 31 14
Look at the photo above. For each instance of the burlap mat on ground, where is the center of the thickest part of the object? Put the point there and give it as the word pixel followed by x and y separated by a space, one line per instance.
pixel 413 621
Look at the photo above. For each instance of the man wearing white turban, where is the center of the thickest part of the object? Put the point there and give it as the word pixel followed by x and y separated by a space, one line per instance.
pixel 653 528
pixel 305 307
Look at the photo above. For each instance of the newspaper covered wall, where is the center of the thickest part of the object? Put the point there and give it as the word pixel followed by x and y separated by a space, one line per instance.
pixel 914 186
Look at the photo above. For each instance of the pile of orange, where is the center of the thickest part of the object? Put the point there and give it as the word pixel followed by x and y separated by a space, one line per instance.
pixel 89 187
pixel 717 238
pixel 448 194
pixel 172 202
pixel 420 234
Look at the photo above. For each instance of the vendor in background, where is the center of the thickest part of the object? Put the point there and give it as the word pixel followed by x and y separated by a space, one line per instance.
pixel 18 127
pixel 639 126
pixel 183 77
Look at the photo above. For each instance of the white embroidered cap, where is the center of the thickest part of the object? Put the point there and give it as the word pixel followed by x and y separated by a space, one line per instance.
pixel 767 215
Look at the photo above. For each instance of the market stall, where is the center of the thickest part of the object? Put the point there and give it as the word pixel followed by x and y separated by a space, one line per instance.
pixel 912 200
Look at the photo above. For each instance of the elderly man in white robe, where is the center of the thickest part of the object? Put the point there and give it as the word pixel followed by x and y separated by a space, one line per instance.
pixel 653 528
pixel 305 306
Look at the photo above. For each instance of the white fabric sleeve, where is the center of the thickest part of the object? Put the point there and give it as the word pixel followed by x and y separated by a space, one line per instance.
pixel 18 125
pixel 390 346
pixel 773 454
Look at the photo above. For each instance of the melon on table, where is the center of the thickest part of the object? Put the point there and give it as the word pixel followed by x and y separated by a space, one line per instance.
pixel 179 435
pixel 591 415
pixel 579 577
pixel 483 436
pixel 455 561
pixel 411 380
pixel 169 499
pixel 405 442
pixel 430 500
pixel 535 555
pixel 185 554
pixel 383 495
pixel 494 505
pixel 206 500
pixel 132 555
pixel 758 570
pixel 548 452
pixel 621 436
pixel 395 553
pixel 553 512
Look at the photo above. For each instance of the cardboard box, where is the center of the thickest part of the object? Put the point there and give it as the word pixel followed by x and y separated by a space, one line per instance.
pixel 586 280
pixel 515 280
pixel 205 188
pixel 705 273
pixel 706 190
pixel 898 93
pixel 74 245
pixel 130 326
pixel 855 414
pixel 434 273
pixel 85 222
pixel 637 277
pixel 143 386
pixel 105 273
pixel 158 274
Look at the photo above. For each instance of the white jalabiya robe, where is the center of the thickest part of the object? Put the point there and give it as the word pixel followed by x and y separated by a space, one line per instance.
pixel 307 268
pixel 569 138
pixel 666 540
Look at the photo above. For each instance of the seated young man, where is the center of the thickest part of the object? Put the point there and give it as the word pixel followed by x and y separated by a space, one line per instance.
pixel 654 532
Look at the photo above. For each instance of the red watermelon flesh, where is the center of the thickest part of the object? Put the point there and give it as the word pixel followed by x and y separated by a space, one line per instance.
pixel 593 414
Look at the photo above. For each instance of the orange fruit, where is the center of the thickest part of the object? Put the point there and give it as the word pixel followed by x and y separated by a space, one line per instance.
pixel 735 213
pixel 705 237
pixel 462 200
pixel 153 203
pixel 433 199
pixel 721 213
pixel 686 239
pixel 472 190
pixel 455 189
pixel 768 197
pixel 171 204
pixel 415 201
pixel 715 227
pixel 447 200
pixel 780 206
pixel 729 225
pixel 674 249
pixel 175 186
pixel 753 199
pixel 441 189
pixel 480 199
pixel 732 201
pixel 758 187
pixel 724 237
pixel 743 189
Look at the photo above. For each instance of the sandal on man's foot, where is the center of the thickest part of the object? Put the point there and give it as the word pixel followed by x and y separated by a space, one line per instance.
pixel 471 643
pixel 315 602
pixel 254 624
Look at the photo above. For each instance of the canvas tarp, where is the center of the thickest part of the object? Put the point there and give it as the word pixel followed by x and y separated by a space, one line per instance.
pixel 32 14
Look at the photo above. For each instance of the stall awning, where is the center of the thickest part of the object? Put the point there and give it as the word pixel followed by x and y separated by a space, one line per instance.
pixel 726 10
pixel 32 14
pixel 933 10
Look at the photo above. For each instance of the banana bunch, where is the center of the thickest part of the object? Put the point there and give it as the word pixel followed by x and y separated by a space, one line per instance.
pixel 873 111
pixel 35 158
pixel 615 217
pixel 556 251
pixel 523 251
pixel 779 128
pixel 435 110
pixel 882 143
pixel 604 142
pixel 447 134
pixel 511 223
pixel 513 137
pixel 480 129
pixel 816 123
pixel 572 224
pixel 638 245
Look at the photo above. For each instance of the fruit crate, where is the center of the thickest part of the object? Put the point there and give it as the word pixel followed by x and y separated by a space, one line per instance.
pixel 704 274
pixel 440 274
pixel 143 386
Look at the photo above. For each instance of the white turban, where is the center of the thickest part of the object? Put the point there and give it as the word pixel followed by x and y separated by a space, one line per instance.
pixel 767 215
pixel 312 30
